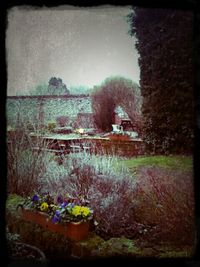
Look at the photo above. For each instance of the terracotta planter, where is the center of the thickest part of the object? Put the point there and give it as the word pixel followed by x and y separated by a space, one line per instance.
pixel 77 231
pixel 36 217
pixel 55 227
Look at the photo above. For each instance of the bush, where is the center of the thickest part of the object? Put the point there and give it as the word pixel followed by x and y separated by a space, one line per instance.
pixel 113 92
pixel 62 120
pixel 105 183
pixel 51 126
pixel 165 205
pixel 25 166
pixel 168 118
pixel 156 207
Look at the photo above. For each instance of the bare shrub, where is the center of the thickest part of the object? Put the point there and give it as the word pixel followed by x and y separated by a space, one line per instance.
pixel 165 205
pixel 157 207
pixel 113 92
pixel 25 166
pixel 103 182
pixel 113 202
pixel 62 120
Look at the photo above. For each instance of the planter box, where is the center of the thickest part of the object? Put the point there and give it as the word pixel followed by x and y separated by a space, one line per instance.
pixel 36 217
pixel 75 231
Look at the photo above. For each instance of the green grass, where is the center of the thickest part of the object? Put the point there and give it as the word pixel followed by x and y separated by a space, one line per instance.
pixel 184 163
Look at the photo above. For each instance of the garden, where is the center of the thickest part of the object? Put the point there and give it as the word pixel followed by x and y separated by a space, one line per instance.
pixel 92 200
pixel 98 206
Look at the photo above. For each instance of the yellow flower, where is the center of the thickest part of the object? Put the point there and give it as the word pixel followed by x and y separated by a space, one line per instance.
pixel 76 211
pixel 44 206
pixel 85 211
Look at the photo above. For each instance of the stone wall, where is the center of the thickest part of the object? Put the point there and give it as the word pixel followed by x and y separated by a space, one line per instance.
pixel 45 108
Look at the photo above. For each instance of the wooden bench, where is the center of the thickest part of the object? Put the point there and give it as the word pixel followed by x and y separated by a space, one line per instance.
pixel 87 148
pixel 75 148
pixel 56 151
pixel 79 148
pixel 62 149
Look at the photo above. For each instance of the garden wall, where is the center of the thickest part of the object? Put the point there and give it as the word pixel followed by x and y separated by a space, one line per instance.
pixel 45 108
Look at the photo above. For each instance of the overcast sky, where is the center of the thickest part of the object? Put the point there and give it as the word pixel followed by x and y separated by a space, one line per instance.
pixel 82 46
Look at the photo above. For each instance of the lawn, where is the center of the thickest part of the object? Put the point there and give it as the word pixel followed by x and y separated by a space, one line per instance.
pixel 184 163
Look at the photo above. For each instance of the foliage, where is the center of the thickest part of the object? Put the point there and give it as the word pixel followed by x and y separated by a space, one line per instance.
pixel 40 202
pixel 55 87
pixel 62 120
pixel 79 90
pixel 165 205
pixel 60 210
pixel 155 205
pixel 165 45
pixel 77 171
pixel 103 108
pixel 72 210
pixel 11 237
pixel 165 197
pixel 13 201
pixel 41 89
pixel 51 125
pixel 102 182
pixel 25 166
pixel 115 91
pixel 149 204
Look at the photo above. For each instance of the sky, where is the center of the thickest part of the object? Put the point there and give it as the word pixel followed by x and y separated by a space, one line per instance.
pixel 82 46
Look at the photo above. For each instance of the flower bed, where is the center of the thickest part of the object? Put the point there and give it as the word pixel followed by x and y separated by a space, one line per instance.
pixel 75 231
pixel 68 217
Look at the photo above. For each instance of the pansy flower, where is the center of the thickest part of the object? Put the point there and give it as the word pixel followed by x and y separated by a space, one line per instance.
pixel 44 206
pixel 35 198
pixel 59 199
pixel 55 219
pixel 64 204
pixel 57 213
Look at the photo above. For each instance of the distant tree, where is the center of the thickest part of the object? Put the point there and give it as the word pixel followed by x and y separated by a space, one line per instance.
pixel 164 40
pixel 55 82
pixel 115 91
pixel 54 87
pixel 103 109
pixel 41 89
pixel 57 87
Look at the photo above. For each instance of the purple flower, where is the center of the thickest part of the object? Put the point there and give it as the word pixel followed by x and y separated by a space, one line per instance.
pixel 59 199
pixel 57 213
pixel 55 219
pixel 35 198
pixel 64 204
